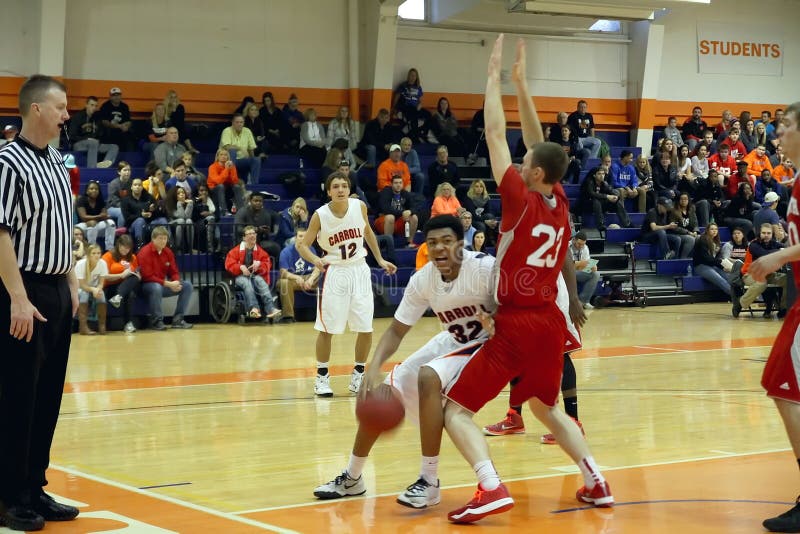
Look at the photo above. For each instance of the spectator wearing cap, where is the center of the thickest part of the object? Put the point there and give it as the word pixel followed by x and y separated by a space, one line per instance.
pixel 656 227
pixel 9 133
pixel 441 170
pixel 395 206
pixel 768 212
pixel 115 117
pixel 391 167
pixel 84 132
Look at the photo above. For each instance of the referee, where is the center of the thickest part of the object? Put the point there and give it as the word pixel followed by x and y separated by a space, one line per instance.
pixel 38 297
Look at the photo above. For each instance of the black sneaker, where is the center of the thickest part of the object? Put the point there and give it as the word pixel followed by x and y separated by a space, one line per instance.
pixel 786 522
pixel 158 325
pixel 737 307
pixel 286 320
pixel 20 518
pixel 51 510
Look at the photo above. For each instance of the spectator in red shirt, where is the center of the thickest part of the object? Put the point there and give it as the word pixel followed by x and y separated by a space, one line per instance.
pixel 725 165
pixel 160 278
pixel 250 264
pixel 737 148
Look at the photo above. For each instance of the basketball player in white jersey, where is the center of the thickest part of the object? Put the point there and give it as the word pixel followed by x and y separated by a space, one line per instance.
pixel 340 227
pixel 457 285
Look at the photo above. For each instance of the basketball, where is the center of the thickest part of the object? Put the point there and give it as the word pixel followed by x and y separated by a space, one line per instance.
pixel 381 410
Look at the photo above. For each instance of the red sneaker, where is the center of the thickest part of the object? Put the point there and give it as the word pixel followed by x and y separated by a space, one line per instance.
pixel 512 424
pixel 599 495
pixel 483 503
pixel 550 439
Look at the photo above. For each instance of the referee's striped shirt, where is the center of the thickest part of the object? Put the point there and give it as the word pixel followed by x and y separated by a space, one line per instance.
pixel 36 206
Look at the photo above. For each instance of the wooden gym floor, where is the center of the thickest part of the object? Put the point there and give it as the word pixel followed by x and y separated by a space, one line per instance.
pixel 217 430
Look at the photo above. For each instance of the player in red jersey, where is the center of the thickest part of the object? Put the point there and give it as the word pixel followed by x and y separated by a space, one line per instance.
pixel 530 329
pixel 781 373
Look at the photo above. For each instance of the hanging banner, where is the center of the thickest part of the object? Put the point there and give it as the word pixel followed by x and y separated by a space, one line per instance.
pixel 749 50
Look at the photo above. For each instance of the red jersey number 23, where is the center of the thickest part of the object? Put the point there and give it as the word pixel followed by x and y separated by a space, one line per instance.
pixel 546 254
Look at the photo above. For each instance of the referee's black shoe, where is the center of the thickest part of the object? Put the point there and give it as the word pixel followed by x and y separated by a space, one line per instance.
pixel 20 518
pixel 50 510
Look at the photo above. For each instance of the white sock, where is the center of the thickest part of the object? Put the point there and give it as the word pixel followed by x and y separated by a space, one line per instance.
pixel 488 479
pixel 320 367
pixel 356 466
pixel 591 473
pixel 430 469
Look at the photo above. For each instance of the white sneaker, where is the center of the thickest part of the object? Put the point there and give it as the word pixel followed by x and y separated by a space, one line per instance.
pixel 129 328
pixel 341 486
pixel 420 494
pixel 106 163
pixel 355 381
pixel 588 306
pixel 322 386
pixel 115 301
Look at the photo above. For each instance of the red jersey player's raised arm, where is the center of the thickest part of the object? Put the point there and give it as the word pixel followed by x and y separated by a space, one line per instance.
pixel 495 117
pixel 531 127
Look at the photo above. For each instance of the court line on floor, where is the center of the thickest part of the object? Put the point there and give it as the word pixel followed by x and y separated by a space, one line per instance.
pixel 225 515
pixel 523 479
pixel 249 377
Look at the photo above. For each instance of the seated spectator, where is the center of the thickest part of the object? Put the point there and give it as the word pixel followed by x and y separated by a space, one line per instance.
pixel 778 157
pixel 766 184
pixel 157 133
pixel 169 152
pixel 770 141
pixel 93 216
pixel 294 119
pixel 115 117
pixel 10 132
pixel 441 170
pixel 582 123
pixel 176 116
pixel 586 271
pixel 180 208
pixel 160 278
pixel 724 125
pixel 772 127
pixel 118 188
pixel 708 261
pixel 714 195
pixel 725 166
pixel 244 103
pixel 736 124
pixel 396 216
pixel 748 136
pixel 296 274
pixel 342 126
pixel 392 166
pixel 140 212
pixel 179 179
pixel 154 183
pixel 292 218
pixel 743 176
pixel 700 162
pixel 239 141
pixel 79 244
pixel 768 212
pixel 466 224
pixel 785 173
pixel 694 187
pixel 445 128
pixel 694 127
pixel 123 279
pixel 665 175
pixel 275 125
pixel 741 208
pixel 90 272
pixel 478 242
pixel 735 146
pixel 223 183
pixel 736 249
pixel 312 140
pixel 757 161
pixel 445 202
pixel 625 181
pixel 655 229
pixel 378 137
pixel 708 142
pixel 477 128
pixel 599 197
pixel 685 217
pixel 476 201
pixel 410 157
pixel 644 173
pixel 569 143
pixel 666 145
pixel 250 266
pixel 684 163
pixel 264 220
pixel 191 170
pixel 84 134
pixel 407 103
pixel 765 244
pixel 205 220
pixel 252 121
pixel 672 133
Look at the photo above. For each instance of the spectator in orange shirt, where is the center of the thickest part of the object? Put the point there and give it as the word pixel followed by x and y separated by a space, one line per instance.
pixel 390 167
pixel 445 202
pixel 223 181
pixel 757 161
pixel 785 173
pixel 123 278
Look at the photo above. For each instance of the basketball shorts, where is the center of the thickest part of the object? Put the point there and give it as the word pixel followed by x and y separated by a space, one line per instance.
pixel 572 339
pixel 529 344
pixel 781 378
pixel 442 354
pixel 345 298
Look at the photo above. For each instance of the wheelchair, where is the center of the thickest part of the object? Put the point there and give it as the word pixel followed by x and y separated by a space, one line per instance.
pixel 227 300
pixel 619 295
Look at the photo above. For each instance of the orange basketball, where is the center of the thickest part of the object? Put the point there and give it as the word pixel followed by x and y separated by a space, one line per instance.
pixel 381 410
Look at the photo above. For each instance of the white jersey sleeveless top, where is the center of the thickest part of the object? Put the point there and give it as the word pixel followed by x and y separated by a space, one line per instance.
pixel 342 238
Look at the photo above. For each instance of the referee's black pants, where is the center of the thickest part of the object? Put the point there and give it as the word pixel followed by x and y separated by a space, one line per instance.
pixel 31 385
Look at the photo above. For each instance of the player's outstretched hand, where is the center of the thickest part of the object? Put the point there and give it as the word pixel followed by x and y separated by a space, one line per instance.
pixel 496 59
pixel 372 379
pixel 388 267
pixel 487 322
pixel 764 266
pixel 518 69
pixel 576 312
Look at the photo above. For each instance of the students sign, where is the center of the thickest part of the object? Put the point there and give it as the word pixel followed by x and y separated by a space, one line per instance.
pixel 730 49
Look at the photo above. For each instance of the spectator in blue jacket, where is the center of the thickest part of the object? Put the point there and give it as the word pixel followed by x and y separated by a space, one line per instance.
pixel 624 179
pixel 291 219
pixel 765 184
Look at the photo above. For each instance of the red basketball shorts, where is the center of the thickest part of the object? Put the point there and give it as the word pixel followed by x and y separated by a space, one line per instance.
pixel 781 376
pixel 529 344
